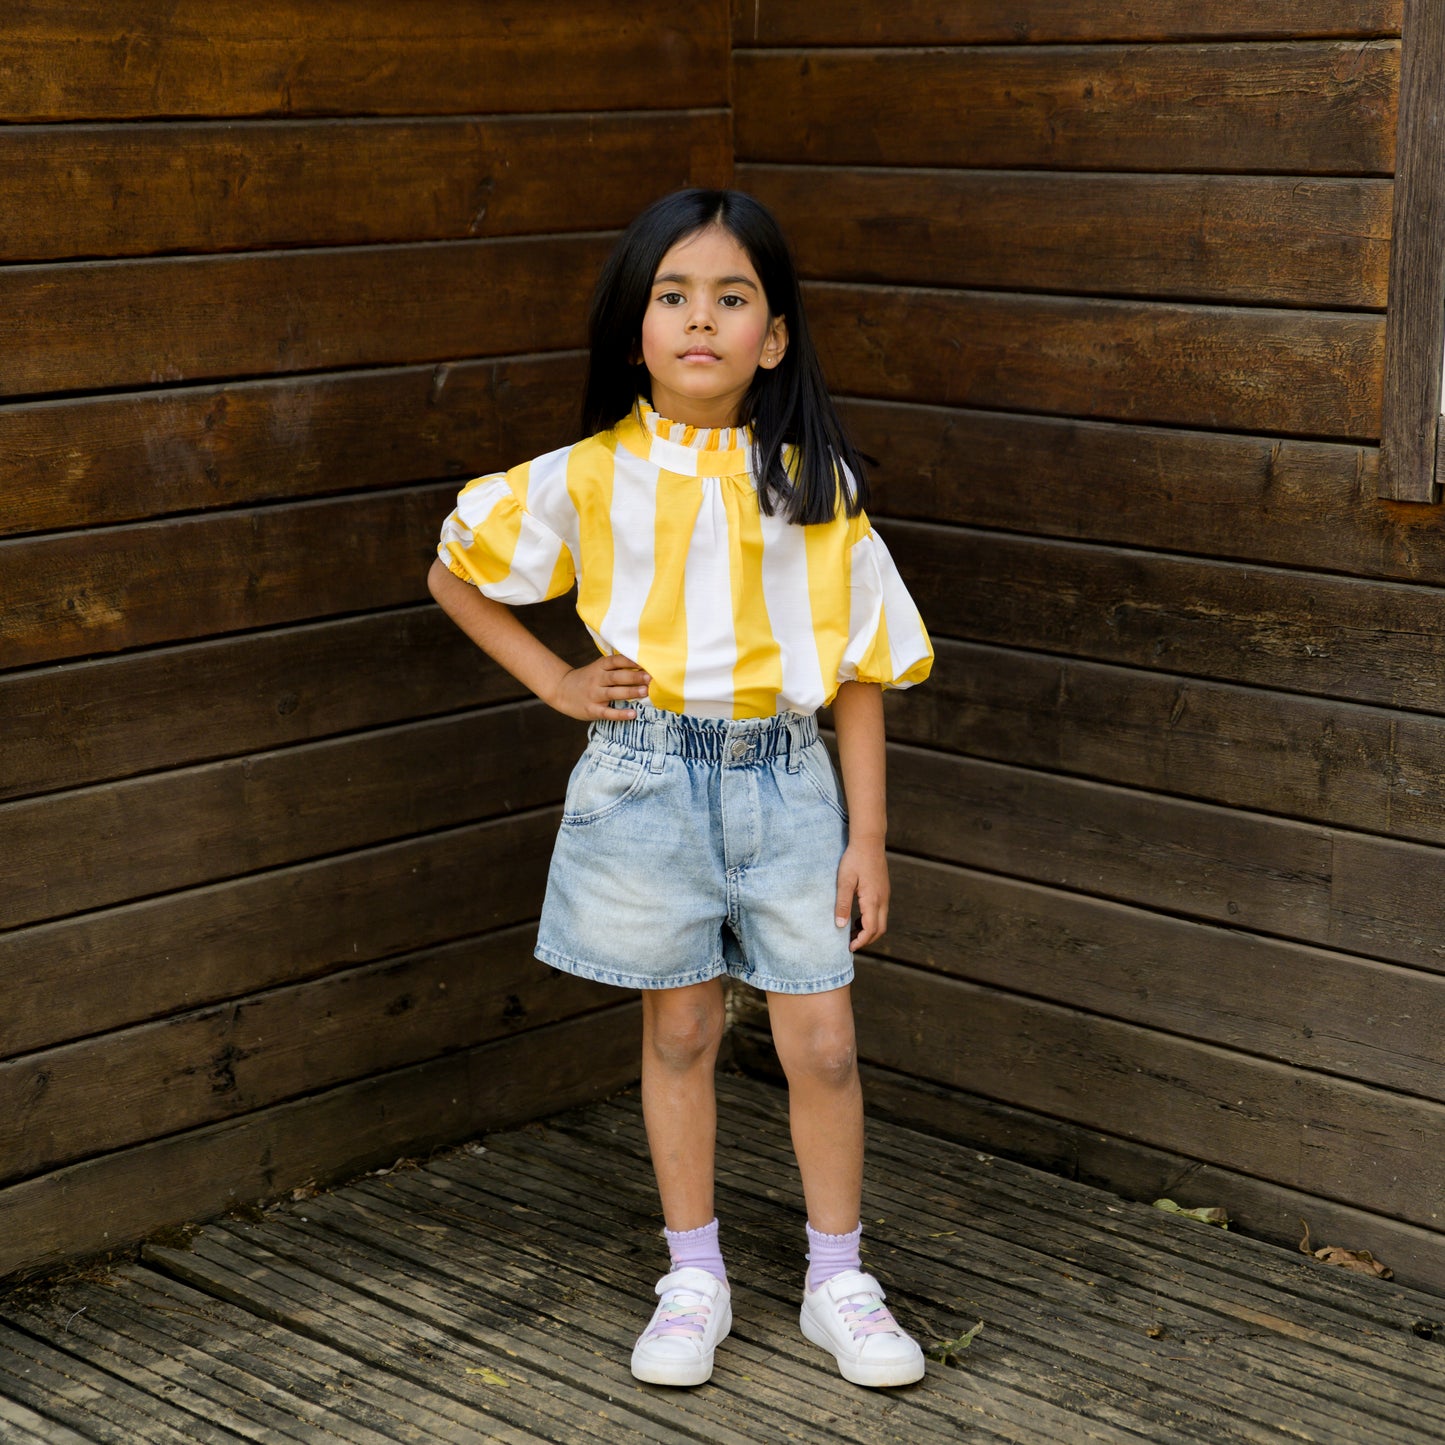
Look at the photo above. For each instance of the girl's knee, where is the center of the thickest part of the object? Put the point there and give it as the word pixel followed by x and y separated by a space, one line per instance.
pixel 826 1054
pixel 682 1032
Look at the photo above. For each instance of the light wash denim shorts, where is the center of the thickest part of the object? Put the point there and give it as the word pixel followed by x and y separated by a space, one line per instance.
pixel 693 847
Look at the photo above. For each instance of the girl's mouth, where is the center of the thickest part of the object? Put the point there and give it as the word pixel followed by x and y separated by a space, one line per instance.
pixel 699 353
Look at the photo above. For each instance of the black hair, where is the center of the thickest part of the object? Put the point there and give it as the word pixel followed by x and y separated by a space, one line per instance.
pixel 786 404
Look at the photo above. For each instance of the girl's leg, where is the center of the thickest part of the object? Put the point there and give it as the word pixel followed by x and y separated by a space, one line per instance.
pixel 843 1309
pixel 682 1029
pixel 813 1034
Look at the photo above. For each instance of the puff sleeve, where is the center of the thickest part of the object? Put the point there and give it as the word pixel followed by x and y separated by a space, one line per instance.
pixel 887 642
pixel 495 542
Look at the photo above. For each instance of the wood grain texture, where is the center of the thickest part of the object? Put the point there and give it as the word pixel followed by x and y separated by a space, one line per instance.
pixel 118 1089
pixel 1370 769
pixel 151 188
pixel 1308 1007
pixel 114 967
pixel 99 846
pixel 1352 892
pixel 1303 504
pixel 1310 108
pixel 1306 373
pixel 1363 1146
pixel 1041 22
pixel 87 593
pixel 115 1199
pixel 1259 239
pixel 1380 643
pixel 236 58
pixel 103 325
pixel 97 721
pixel 95 460
pixel 1263 1210
pixel 1415 330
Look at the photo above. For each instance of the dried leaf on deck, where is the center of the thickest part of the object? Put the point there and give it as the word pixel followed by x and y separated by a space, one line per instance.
pixel 1206 1215
pixel 1359 1260
pixel 489 1377
pixel 945 1350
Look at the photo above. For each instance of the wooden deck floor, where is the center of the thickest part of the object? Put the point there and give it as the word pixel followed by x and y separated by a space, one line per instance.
pixel 493 1295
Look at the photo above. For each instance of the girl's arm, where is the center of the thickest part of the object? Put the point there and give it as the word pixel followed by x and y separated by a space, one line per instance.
pixel 580 692
pixel 863 872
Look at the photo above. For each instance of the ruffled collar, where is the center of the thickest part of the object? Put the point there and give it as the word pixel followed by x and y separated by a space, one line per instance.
pixel 690 450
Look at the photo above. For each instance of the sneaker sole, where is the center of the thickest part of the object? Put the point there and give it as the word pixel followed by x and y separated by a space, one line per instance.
pixel 879 1376
pixel 692 1372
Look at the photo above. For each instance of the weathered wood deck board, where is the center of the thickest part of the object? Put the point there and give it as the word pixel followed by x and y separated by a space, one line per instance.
pixel 473 1299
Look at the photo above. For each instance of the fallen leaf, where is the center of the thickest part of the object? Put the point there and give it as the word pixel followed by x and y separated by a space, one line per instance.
pixel 489 1377
pixel 1207 1215
pixel 945 1350
pixel 1359 1260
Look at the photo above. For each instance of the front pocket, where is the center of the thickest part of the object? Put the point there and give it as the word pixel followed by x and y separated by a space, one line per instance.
pixel 600 784
pixel 817 767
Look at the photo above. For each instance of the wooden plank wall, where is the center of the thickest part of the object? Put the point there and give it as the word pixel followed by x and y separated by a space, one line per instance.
pixel 1104 287
pixel 274 275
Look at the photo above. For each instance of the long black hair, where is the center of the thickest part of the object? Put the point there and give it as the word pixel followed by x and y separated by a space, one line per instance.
pixel 787 404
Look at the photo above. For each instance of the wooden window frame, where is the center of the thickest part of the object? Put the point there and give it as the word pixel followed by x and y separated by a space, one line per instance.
pixel 1412 441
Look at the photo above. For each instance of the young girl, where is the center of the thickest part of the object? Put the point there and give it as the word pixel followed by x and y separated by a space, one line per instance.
pixel 713 525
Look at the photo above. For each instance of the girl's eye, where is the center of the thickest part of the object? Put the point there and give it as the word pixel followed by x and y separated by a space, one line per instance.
pixel 732 302
pixel 672 298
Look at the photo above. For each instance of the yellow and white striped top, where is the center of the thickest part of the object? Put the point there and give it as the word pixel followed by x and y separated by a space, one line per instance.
pixel 731 612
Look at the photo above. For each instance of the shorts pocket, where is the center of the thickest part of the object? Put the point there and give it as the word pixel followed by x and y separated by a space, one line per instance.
pixel 817 767
pixel 600 784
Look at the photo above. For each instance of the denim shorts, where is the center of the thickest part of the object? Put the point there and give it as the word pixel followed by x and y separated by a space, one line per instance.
pixel 695 847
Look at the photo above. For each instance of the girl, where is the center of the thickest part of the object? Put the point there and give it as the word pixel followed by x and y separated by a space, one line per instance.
pixel 713 524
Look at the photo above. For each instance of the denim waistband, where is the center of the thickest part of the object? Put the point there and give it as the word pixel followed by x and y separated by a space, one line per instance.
pixel 708 739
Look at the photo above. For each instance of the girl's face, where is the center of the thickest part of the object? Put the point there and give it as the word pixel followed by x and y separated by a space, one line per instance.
pixel 706 330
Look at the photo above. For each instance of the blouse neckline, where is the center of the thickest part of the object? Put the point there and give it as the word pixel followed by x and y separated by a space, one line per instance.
pixel 678 447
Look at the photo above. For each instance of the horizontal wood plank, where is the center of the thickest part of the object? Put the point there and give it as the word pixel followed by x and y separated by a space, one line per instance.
pixel 103 325
pixel 148 189
pixel 1304 504
pixel 90 461
pixel 120 1089
pixel 1297 1005
pixel 1307 1131
pixel 1041 22
pixel 87 593
pixel 117 1198
pixel 114 967
pixel 366 57
pixel 1381 643
pixel 99 846
pixel 1312 108
pixel 1347 891
pixel 96 721
pixel 1305 373
pixel 1364 768
pixel 1258 239
pixel 1260 1208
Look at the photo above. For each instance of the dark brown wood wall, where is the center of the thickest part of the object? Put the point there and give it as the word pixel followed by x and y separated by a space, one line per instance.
pixel 275 275
pixel 1104 286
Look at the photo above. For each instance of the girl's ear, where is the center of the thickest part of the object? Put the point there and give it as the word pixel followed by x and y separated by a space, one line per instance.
pixel 776 345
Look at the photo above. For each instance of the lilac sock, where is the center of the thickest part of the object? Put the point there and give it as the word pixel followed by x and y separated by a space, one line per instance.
pixel 830 1254
pixel 698 1249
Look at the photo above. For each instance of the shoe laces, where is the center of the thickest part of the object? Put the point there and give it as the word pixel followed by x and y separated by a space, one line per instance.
pixel 681 1312
pixel 866 1314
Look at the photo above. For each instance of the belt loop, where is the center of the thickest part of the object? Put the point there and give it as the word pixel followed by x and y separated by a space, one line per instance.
pixel 656 733
pixel 795 750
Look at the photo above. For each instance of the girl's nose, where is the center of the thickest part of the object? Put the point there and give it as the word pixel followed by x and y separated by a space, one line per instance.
pixel 700 319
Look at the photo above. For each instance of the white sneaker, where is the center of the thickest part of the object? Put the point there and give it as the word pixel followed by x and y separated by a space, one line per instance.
pixel 693 1315
pixel 847 1316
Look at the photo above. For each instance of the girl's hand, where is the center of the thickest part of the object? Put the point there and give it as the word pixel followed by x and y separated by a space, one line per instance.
pixel 586 692
pixel 863 874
